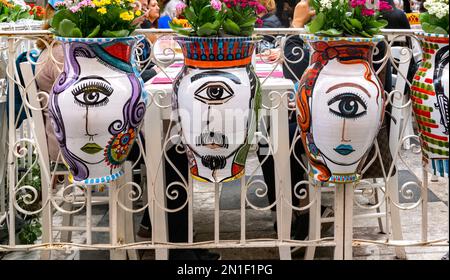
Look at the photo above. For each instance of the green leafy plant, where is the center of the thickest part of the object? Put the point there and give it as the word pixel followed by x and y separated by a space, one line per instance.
pixel 435 19
pixel 203 19
pixel 95 18
pixel 30 232
pixel 11 13
pixel 347 18
pixel 218 18
pixel 31 228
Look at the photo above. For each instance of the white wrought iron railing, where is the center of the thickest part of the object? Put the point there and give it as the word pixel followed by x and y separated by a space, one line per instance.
pixel 71 199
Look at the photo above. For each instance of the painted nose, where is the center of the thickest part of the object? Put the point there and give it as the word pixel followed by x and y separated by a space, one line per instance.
pixel 344 131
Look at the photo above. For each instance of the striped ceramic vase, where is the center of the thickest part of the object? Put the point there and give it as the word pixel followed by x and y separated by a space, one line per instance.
pixel 217 97
pixel 429 94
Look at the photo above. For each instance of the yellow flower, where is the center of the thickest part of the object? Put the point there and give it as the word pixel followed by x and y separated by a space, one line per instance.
pixel 127 16
pixel 131 1
pixel 97 3
pixel 102 10
pixel 107 2
pixel 138 13
pixel 117 2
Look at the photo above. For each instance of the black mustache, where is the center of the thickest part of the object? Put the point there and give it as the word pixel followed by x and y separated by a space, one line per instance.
pixel 214 162
pixel 212 138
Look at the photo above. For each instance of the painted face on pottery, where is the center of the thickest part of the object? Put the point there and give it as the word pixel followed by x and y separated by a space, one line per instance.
pixel 97 98
pixel 350 103
pixel 214 114
pixel 96 107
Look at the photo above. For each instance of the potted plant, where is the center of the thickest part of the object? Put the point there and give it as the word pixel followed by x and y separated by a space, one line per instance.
pixel 217 93
pixel 10 12
pixel 98 102
pixel 340 102
pixel 429 90
pixel 38 12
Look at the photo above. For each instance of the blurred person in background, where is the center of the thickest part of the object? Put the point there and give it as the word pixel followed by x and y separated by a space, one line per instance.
pixel 171 10
pixel 269 18
pixel 285 11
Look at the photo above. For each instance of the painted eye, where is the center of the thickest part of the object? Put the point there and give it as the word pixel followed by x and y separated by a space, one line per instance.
pixel 347 105
pixel 214 93
pixel 92 94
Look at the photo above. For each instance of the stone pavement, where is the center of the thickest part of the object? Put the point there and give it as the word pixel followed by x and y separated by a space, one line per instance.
pixel 260 223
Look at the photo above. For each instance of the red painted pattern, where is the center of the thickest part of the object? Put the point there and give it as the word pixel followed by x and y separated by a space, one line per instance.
pixel 120 51
pixel 416 99
pixel 429 81
pixel 236 169
pixel 206 47
pixel 422 113
pixel 225 49
pixel 434 136
pixel 215 50
pixel 421 90
pixel 427 124
pixel 417 77
pixel 437 40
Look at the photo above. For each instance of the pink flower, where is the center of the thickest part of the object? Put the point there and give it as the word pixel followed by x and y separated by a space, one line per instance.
pixel 355 3
pixel 216 5
pixel 259 22
pixel 384 6
pixel 367 12
pixel 180 7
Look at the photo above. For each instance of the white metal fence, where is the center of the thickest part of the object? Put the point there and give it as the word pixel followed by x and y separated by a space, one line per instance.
pixel 126 198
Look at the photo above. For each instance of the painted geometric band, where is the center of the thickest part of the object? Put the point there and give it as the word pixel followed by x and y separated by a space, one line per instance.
pixel 435 142
pixel 436 151
pixel 217 64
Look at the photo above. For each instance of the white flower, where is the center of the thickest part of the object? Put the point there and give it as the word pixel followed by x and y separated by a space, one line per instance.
pixel 438 8
pixel 327 4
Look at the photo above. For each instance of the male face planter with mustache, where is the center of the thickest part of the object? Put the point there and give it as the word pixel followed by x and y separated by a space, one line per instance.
pixel 216 114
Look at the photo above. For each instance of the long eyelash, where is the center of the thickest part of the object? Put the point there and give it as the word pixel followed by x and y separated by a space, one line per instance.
pixel 340 94
pixel 206 85
pixel 81 88
pixel 341 117
pixel 103 103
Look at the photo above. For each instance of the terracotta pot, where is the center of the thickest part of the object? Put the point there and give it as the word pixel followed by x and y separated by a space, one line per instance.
pixel 340 106
pixel 217 97
pixel 429 94
pixel 96 106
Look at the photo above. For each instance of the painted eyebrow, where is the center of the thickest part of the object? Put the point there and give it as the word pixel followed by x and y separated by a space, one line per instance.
pixel 348 85
pixel 227 75
pixel 92 78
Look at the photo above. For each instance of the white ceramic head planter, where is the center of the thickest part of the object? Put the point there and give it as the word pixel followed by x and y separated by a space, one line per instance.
pixel 217 97
pixel 340 106
pixel 97 106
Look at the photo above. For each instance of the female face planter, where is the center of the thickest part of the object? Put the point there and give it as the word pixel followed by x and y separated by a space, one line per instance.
pixel 429 94
pixel 216 108
pixel 340 108
pixel 96 107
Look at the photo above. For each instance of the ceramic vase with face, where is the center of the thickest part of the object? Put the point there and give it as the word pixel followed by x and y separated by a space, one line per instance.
pixel 96 106
pixel 429 95
pixel 340 106
pixel 217 97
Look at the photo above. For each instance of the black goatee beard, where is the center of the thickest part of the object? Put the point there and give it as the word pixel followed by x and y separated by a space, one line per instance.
pixel 214 162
